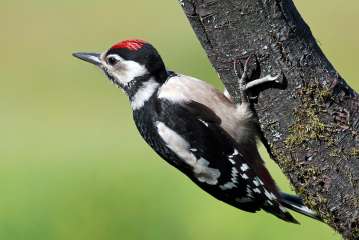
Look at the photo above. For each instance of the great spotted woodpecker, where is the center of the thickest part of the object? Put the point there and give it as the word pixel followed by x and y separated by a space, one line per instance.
pixel 197 129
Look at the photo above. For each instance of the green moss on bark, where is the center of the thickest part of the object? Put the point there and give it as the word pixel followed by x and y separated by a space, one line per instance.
pixel 307 124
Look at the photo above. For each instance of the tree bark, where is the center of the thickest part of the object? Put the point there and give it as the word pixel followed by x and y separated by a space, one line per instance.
pixel 311 126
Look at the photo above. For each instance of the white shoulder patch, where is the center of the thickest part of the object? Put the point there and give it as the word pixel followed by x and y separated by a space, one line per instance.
pixel 183 88
pixel 183 150
pixel 236 120
pixel 144 93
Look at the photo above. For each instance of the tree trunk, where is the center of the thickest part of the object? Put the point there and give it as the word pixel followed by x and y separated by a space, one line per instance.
pixel 311 126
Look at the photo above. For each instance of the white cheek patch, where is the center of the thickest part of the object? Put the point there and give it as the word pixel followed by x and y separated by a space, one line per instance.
pixel 183 150
pixel 143 94
pixel 128 71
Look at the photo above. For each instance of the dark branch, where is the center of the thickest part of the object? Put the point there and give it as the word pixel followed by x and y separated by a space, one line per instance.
pixel 311 128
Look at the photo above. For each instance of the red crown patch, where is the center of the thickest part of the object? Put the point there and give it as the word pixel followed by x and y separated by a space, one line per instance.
pixel 132 45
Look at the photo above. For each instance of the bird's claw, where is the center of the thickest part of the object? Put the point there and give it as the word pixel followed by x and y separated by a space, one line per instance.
pixel 244 86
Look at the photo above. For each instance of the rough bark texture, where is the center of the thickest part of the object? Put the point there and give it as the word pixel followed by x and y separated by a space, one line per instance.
pixel 311 126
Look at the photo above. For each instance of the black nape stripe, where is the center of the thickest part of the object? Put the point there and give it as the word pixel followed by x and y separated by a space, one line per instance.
pixel 133 86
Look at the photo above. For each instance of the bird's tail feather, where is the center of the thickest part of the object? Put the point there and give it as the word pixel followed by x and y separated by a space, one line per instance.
pixel 296 204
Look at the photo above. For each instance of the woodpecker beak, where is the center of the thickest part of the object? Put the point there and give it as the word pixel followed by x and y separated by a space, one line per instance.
pixel 93 58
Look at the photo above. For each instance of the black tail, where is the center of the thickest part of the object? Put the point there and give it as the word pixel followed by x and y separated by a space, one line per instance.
pixel 295 203
pixel 280 212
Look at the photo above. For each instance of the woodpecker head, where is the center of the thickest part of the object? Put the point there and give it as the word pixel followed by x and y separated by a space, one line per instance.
pixel 130 64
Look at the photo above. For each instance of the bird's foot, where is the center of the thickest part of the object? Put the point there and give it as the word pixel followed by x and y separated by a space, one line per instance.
pixel 244 86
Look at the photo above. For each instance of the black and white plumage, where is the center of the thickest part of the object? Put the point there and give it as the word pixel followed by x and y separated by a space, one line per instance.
pixel 197 129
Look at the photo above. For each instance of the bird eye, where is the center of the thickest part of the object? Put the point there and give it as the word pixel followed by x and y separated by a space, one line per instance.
pixel 112 60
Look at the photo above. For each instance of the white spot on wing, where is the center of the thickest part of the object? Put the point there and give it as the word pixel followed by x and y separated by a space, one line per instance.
pixel 204 122
pixel 230 157
pixel 269 195
pixel 182 149
pixel 235 153
pixel 256 183
pixel 144 93
pixel 257 190
pixel 260 181
pixel 232 184
pixel 249 191
pixel 244 176
pixel 227 186
pixel 234 175
pixel 244 167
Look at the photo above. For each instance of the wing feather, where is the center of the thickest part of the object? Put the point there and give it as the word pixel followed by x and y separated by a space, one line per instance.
pixel 211 157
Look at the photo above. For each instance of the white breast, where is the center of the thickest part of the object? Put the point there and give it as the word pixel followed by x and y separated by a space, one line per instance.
pixel 237 120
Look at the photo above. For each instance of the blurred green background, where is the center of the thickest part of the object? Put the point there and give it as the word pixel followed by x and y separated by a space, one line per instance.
pixel 72 165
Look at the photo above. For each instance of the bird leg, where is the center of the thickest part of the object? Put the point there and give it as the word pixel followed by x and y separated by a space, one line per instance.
pixel 242 81
pixel 244 86
pixel 260 81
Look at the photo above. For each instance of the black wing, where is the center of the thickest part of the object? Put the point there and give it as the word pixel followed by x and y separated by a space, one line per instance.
pixel 220 167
